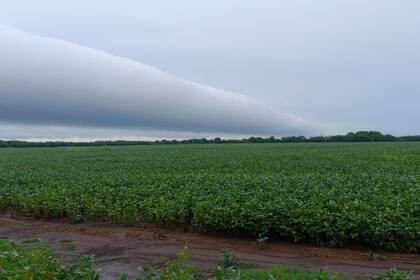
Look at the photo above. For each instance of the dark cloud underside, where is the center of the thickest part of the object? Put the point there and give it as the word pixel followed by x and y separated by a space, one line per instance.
pixel 51 82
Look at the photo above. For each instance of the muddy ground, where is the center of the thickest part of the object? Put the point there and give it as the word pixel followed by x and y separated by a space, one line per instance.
pixel 119 249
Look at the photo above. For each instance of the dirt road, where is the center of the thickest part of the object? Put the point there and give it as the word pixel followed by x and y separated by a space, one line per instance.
pixel 120 249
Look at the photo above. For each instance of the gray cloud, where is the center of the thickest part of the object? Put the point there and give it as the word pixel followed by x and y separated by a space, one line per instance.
pixel 51 82
pixel 349 65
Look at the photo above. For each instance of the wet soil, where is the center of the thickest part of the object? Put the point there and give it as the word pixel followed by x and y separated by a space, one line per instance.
pixel 123 249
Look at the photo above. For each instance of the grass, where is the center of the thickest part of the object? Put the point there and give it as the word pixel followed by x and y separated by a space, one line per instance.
pixel 335 194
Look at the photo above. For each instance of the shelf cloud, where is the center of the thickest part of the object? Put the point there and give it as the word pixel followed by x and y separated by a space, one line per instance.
pixel 50 82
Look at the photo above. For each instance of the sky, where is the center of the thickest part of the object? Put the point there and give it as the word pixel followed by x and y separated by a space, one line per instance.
pixel 179 69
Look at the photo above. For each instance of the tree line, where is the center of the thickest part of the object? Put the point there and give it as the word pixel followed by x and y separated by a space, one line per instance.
pixel 360 136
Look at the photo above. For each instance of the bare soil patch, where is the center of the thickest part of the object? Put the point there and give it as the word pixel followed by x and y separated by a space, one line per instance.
pixel 119 249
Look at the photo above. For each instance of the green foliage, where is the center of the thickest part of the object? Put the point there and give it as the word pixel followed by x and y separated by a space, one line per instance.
pixel 229 268
pixel 174 270
pixel 226 273
pixel 37 261
pixel 394 274
pixel 335 194
pixel 229 260
pixel 81 269
pixel 261 241
pixel 21 262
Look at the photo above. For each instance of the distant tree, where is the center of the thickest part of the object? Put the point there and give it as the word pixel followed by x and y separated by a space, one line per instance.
pixel 359 136
pixel 217 140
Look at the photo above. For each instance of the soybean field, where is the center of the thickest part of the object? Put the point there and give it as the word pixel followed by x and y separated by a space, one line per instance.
pixel 335 194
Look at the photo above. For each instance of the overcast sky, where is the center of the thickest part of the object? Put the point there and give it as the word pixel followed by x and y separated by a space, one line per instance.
pixel 318 67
